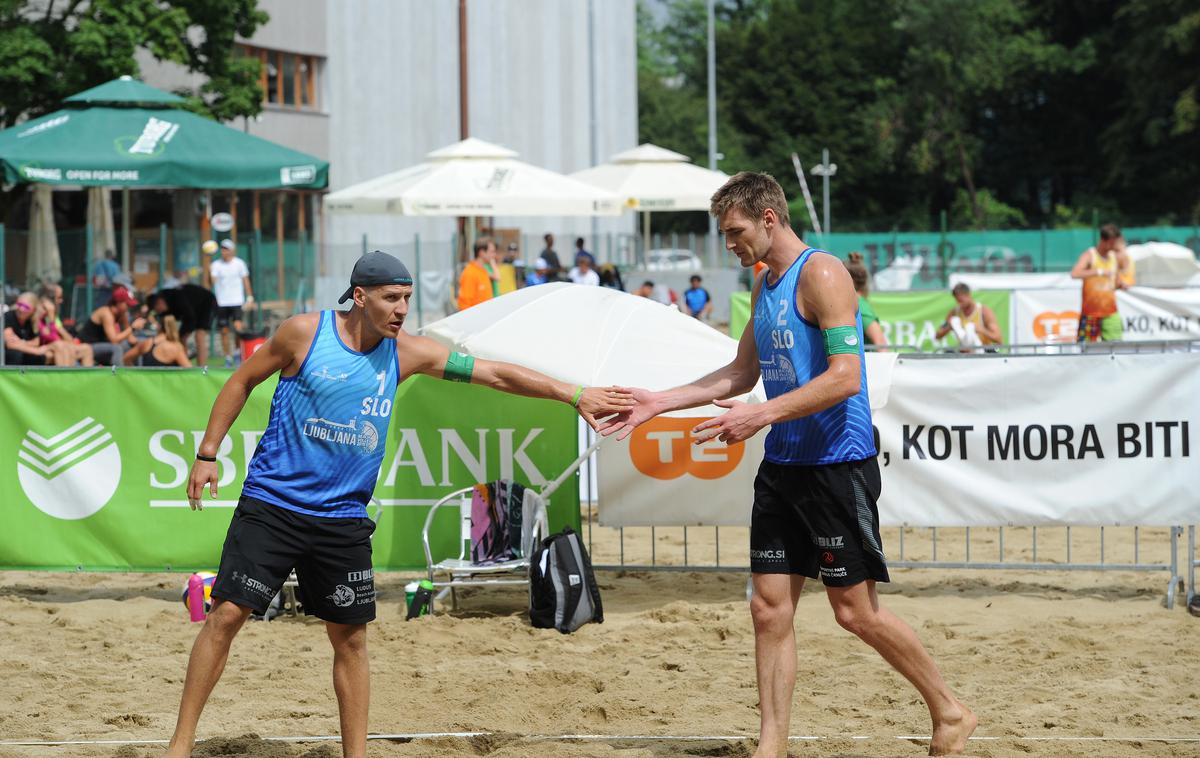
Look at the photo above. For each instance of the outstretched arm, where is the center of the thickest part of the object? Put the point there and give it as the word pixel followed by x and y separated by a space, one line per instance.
pixel 424 356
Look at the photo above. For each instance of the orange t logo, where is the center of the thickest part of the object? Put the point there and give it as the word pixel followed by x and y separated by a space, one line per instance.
pixel 663 448
pixel 1050 323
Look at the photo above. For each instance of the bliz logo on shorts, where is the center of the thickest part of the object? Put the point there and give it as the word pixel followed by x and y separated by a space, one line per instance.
pixel 342 596
pixel 360 576
pixel 768 555
pixel 828 542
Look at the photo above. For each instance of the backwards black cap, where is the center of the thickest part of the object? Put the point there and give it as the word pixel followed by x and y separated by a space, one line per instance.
pixel 375 268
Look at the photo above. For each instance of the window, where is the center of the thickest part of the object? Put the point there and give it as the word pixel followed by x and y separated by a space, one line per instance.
pixel 286 79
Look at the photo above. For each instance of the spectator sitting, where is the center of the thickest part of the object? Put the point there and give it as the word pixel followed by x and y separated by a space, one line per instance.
pixel 972 323
pixel 194 307
pixel 659 293
pixel 610 276
pixel 698 301
pixel 52 334
pixel 538 274
pixel 872 331
pixel 21 346
pixel 166 348
pixel 584 273
pixel 108 330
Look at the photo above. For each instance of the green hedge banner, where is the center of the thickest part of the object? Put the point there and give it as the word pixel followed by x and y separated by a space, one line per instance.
pixel 907 318
pixel 98 463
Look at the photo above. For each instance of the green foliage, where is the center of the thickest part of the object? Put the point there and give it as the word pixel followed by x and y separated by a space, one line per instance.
pixel 1000 112
pixel 50 50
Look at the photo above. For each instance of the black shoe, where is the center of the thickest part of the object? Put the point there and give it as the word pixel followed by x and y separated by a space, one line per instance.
pixel 1194 605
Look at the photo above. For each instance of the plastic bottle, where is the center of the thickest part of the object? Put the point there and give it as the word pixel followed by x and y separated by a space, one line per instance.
pixel 421 600
pixel 196 597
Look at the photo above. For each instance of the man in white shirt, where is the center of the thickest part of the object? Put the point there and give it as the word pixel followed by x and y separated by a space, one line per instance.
pixel 230 279
pixel 584 273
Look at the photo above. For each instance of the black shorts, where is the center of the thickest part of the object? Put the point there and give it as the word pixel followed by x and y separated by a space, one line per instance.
pixel 332 558
pixel 227 314
pixel 818 521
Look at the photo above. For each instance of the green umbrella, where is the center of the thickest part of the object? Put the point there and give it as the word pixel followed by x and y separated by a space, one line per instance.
pixel 128 134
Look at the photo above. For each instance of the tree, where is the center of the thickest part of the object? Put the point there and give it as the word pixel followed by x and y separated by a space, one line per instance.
pixel 52 49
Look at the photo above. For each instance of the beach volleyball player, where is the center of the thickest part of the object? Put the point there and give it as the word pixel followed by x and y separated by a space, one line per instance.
pixel 303 505
pixel 814 511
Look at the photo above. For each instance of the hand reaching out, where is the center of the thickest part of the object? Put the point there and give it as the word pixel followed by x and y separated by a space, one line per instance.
pixel 739 423
pixel 603 402
pixel 624 423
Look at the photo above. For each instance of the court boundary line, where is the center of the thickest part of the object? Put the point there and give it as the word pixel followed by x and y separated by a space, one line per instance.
pixel 411 736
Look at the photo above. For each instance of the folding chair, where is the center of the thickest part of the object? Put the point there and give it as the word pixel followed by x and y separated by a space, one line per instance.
pixel 462 571
pixel 289 586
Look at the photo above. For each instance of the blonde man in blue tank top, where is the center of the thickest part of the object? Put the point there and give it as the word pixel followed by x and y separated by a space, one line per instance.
pixel 814 511
pixel 304 501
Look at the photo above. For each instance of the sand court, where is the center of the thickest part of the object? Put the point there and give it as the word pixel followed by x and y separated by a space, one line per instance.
pixel 1055 663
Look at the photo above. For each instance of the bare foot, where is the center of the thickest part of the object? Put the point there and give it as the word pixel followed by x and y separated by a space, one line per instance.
pixel 950 737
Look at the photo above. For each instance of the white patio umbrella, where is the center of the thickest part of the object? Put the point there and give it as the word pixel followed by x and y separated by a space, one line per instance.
pixel 474 178
pixel 44 263
pixel 650 178
pixel 599 336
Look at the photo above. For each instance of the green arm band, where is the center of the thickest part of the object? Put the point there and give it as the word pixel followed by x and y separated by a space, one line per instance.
pixel 841 339
pixel 459 368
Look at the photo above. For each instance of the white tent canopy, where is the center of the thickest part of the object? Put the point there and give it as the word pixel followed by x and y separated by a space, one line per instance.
pixel 474 178
pixel 650 178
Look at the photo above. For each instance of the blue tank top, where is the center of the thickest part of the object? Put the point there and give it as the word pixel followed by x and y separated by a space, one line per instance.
pixel 791 352
pixel 324 442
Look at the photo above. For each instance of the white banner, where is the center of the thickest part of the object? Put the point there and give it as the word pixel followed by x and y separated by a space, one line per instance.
pixel 657 477
pixel 1038 440
pixel 1052 315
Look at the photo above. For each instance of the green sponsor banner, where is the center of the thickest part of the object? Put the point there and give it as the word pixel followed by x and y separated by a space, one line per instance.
pixel 907 318
pixel 912 318
pixel 98 464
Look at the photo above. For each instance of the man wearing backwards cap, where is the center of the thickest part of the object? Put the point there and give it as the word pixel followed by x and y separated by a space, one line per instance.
pixel 304 501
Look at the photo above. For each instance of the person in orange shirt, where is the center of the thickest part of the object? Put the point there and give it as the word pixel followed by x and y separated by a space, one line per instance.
pixel 1104 269
pixel 475 284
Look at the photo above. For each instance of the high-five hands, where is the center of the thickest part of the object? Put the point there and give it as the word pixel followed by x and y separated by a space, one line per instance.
pixel 603 402
pixel 643 409
pixel 739 423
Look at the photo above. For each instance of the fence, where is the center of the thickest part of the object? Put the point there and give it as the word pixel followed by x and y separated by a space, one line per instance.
pixel 1030 548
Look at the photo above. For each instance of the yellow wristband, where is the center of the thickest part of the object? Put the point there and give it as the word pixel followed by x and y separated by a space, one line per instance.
pixel 578 394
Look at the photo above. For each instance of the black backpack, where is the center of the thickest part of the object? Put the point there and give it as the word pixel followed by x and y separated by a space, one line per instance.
pixel 562 588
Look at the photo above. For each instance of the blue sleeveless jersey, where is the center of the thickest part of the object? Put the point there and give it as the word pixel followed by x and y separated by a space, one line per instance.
pixel 323 446
pixel 791 352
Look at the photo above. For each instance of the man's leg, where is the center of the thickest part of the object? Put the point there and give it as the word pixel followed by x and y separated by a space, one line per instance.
pixel 351 684
pixel 857 610
pixel 83 352
pixel 201 347
pixel 209 653
pixel 773 608
pixel 226 347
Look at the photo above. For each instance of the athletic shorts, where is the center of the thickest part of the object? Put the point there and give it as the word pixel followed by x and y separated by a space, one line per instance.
pixel 1109 328
pixel 227 314
pixel 818 521
pixel 331 556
